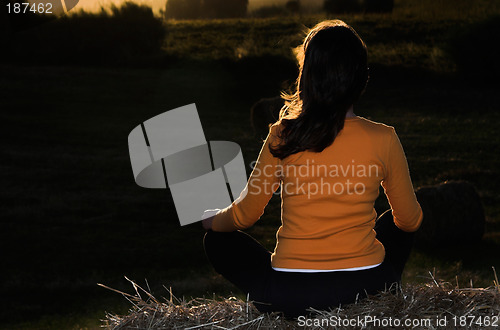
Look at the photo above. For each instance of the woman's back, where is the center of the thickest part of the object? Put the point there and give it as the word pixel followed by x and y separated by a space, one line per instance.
pixel 328 198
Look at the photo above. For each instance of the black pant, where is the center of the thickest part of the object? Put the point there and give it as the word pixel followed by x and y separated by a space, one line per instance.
pixel 247 264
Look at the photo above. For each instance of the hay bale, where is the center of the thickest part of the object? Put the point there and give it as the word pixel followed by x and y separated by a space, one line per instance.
pixel 434 301
pixel 453 214
pixel 474 53
pixel 264 113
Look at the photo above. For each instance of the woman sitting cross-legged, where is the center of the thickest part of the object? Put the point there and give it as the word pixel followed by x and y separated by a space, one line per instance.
pixel 331 248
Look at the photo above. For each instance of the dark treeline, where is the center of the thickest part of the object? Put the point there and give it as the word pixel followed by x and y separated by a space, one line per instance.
pixel 125 34
pixel 355 6
pixel 193 9
pixel 190 9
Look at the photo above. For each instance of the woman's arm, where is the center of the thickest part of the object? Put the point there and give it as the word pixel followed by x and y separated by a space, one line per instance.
pixel 399 188
pixel 249 206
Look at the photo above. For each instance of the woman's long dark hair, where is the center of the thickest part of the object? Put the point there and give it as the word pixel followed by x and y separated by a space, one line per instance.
pixel 333 73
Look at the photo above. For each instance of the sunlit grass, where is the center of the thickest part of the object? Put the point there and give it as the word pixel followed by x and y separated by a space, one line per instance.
pixel 391 41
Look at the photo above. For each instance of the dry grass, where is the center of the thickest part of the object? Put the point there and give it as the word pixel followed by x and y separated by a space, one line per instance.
pixel 471 307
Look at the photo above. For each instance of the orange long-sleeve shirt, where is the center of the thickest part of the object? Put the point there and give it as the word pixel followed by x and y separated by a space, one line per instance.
pixel 327 209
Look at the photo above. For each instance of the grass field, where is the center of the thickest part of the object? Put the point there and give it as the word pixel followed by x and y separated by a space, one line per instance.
pixel 72 215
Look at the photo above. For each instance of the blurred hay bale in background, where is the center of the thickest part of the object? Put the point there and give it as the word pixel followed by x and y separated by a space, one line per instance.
pixel 474 51
pixel 453 214
pixel 264 113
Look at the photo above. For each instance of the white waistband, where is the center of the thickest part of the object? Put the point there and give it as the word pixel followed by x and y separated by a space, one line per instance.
pixel 298 270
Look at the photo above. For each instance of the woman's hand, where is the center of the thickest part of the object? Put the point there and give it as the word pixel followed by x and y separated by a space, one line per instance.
pixel 207 223
pixel 208 217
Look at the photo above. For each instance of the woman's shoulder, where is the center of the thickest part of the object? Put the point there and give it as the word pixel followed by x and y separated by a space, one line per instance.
pixel 375 127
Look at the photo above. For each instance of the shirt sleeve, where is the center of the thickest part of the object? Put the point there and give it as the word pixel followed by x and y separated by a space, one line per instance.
pixel 263 182
pixel 398 187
